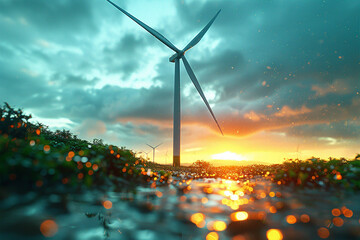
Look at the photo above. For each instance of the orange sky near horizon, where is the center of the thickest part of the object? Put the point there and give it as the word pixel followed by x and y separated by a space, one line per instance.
pixel 264 146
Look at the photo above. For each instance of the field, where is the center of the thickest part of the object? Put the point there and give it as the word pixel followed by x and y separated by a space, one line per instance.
pixel 58 186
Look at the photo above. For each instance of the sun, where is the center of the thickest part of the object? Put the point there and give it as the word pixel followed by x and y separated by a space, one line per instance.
pixel 229 156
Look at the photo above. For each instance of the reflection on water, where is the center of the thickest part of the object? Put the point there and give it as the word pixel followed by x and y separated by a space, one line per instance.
pixel 186 209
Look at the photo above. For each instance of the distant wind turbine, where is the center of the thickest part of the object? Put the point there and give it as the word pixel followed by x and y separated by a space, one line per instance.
pixel 179 54
pixel 154 150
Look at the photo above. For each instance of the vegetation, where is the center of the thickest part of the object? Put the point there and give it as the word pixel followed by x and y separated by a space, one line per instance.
pixel 319 173
pixel 34 158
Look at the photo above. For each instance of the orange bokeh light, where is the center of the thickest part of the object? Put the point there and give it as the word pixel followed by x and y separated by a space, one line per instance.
pixel 272 209
pixel 338 221
pixel 239 216
pixel 336 212
pixel 212 236
pixel 204 200
pixel 159 194
pixel 197 218
pixel 46 148
pixel 107 204
pixel 71 154
pixel 305 218
pixel 348 213
pixel 274 234
pixel 219 226
pixel 48 228
pixel 323 232
pixel 338 176
pixel 290 219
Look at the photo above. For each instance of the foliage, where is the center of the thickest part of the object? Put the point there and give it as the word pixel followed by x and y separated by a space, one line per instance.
pixel 315 172
pixel 32 157
pixel 13 122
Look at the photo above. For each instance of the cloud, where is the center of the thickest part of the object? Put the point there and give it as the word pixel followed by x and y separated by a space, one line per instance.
pixel 342 130
pixel 90 128
pixel 61 21
pixel 126 55
pixel 338 87
pixel 286 111
pixel 265 66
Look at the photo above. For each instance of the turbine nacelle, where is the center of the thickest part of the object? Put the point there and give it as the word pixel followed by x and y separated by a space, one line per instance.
pixel 176 56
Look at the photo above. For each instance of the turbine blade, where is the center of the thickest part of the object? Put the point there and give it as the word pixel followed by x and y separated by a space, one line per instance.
pixel 147 28
pixel 198 88
pixel 158 145
pixel 198 37
pixel 150 146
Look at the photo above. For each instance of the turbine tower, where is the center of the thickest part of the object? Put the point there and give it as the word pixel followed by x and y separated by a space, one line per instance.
pixel 179 54
pixel 154 150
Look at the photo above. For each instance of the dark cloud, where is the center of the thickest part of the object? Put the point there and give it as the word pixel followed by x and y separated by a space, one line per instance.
pixel 74 80
pixel 343 130
pixel 112 103
pixel 126 55
pixel 59 20
pixel 303 41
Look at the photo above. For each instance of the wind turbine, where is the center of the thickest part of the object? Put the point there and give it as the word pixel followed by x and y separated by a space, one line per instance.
pixel 179 54
pixel 154 150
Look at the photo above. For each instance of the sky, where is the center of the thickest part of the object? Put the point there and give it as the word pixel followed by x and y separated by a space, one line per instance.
pixel 282 77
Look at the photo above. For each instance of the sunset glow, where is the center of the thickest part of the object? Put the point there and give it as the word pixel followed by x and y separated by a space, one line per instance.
pixel 229 156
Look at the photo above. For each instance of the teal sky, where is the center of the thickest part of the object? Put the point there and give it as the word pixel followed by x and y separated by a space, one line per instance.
pixel 283 70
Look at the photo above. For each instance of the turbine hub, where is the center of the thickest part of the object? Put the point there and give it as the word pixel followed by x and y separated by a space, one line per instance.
pixel 175 56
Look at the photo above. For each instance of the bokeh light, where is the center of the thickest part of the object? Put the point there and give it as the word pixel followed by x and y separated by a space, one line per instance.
pixel 107 204
pixel 219 226
pixel 212 236
pixel 336 212
pixel 274 234
pixel 239 216
pixel 48 228
pixel 198 219
pixel 305 218
pixel 291 219
pixel 337 221
pixel 323 232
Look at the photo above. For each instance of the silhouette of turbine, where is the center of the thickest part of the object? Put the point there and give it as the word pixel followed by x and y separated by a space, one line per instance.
pixel 154 150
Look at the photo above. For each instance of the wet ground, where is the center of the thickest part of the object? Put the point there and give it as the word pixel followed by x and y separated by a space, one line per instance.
pixel 186 209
